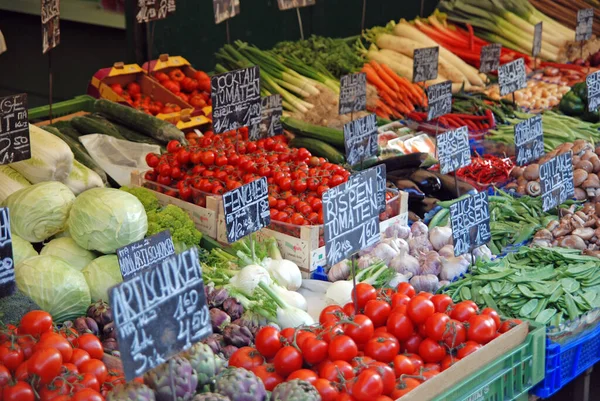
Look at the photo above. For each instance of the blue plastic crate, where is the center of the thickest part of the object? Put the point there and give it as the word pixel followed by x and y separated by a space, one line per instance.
pixel 564 362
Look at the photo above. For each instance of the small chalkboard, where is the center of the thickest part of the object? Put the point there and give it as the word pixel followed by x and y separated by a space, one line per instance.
pixel 353 93
pixel 537 39
pixel 50 24
pixel 160 312
pixel 512 76
pixel 351 216
pixel 556 180
pixel 144 253
pixel 360 139
pixel 529 140
pixel 593 91
pixel 270 121
pixel 489 59
pixel 225 9
pixel 453 149
pixel 439 100
pixel 246 209
pixel 152 10
pixel 14 129
pixel 585 22
pixel 425 64
pixel 470 220
pixel 235 99
pixel 7 267
pixel 288 4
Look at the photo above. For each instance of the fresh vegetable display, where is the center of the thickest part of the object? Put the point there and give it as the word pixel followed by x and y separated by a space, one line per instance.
pixel 538 95
pixel 475 123
pixel 485 171
pixel 574 103
pixel 195 91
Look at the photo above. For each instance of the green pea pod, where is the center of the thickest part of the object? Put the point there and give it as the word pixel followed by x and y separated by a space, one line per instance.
pixel 545 316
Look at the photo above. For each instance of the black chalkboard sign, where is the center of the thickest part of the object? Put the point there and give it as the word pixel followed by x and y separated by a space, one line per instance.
pixel 246 209
pixel 439 100
pixel 7 267
pixel 152 10
pixel 50 24
pixel 593 91
pixel 270 121
pixel 489 58
pixel 537 39
pixel 360 139
pixel 470 220
pixel 585 22
pixel 351 216
pixel 529 140
pixel 425 64
pixel 512 76
pixel 556 179
pixel 225 9
pixel 288 4
pixel 235 99
pixel 453 149
pixel 160 312
pixel 14 129
pixel 353 93
pixel 145 253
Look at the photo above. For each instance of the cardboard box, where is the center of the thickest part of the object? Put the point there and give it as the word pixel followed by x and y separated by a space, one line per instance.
pixel 166 64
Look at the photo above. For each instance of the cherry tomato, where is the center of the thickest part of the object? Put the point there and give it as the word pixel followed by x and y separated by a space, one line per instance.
pixel 11 355
pixel 303 374
pixel 288 335
pixel 367 386
pixel 21 373
pixel 247 358
pixel 360 330
pixel 36 322
pixel 46 364
pixel 448 361
pixel 267 341
pixel 403 365
pixel 435 326
pixel 326 389
pixel 268 375
pixel 406 289
pixel 91 344
pixel 441 302
pixel 416 360
pixel 287 360
pixel 382 348
pixel 173 146
pixel 88 380
pixel 342 348
pixel 387 374
pixel 378 311
pixel 419 309
pixel 482 329
pixel 20 391
pixel 400 326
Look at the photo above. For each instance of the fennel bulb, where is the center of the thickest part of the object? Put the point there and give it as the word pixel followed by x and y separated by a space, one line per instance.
pixel 291 297
pixel 339 293
pixel 247 279
pixel 286 273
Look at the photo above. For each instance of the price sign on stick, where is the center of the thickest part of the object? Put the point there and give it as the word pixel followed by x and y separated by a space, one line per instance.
pixel 425 64
pixel 144 253
pixel 512 77
pixel 556 179
pixel 529 140
pixel 353 93
pixel 152 10
pixel 225 9
pixel 289 4
pixel 14 129
pixel 489 59
pixel 593 91
pixel 160 312
pixel 453 149
pixel 439 100
pixel 537 39
pixel 270 121
pixel 470 220
pixel 585 22
pixel 7 264
pixel 235 99
pixel 360 139
pixel 50 24
pixel 246 209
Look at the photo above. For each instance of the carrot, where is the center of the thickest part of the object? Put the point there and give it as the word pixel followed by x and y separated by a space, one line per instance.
pixel 384 76
pixel 382 114
pixel 374 79
pixel 385 108
pixel 407 103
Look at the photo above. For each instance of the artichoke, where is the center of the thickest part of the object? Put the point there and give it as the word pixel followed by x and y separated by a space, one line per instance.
pixel 100 311
pixel 239 336
pixel 233 308
pixel 175 375
pixel 228 350
pixel 216 297
pixel 295 390
pixel 219 320
pixel 240 385
pixel 131 392
pixel 210 397
pixel 215 342
pixel 203 361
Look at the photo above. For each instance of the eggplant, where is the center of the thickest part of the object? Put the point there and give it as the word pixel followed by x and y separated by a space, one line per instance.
pixel 411 160
pixel 448 190
pixel 427 181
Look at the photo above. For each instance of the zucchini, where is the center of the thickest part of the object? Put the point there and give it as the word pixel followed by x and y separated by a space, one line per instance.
pixel 332 136
pixel 89 125
pixel 319 148
pixel 149 125
pixel 134 136
pixel 66 128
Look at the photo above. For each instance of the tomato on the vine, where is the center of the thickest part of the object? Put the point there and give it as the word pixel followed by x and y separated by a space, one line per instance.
pixel 367 386
pixel 56 341
pixel 441 302
pixel 383 347
pixel 406 289
pixel 378 311
pixel 336 371
pixel 45 364
pixel 20 391
pixel 268 375
pixel 419 309
pixel 494 314
pixel 331 313
pixel 364 293
pixel 467 349
pixel 400 326
pixel 455 334
pixel 247 358
pixel 343 348
pixel 96 368
pixel 509 324
pixel 314 350
pixel 360 329
pixel 403 365
pixel 463 311
pixel 87 394
pixel 431 351
pixel 91 344
pixel 267 341
pixel 287 360
pixel 482 329
pixel 435 326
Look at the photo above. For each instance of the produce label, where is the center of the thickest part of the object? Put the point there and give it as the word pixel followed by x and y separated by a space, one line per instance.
pixel 537 39
pixel 470 220
pixel 145 253
pixel 270 120
pixel 353 93
pixel 425 64
pixel 529 140
pixel 160 312
pixel 50 24
pixel 14 129
pixel 235 99
pixel 152 10
pixel 439 99
pixel 287 4
pixel 593 91
pixel 246 209
pixel 512 76
pixel 7 268
pixel 360 139
pixel 556 179
pixel 351 216
pixel 585 21
pixel 489 59
pixel 225 9
pixel 453 149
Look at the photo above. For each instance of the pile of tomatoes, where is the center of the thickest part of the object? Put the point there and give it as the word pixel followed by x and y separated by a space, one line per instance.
pixel 396 341
pixel 133 95
pixel 40 362
pixel 215 164
pixel 195 91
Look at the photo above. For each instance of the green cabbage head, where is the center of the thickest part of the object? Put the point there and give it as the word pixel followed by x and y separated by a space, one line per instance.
pixel 101 274
pixel 56 287
pixel 67 249
pixel 21 249
pixel 105 219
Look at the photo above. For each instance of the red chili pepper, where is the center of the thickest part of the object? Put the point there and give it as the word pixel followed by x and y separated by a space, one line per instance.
pixel 471 36
pixel 486 170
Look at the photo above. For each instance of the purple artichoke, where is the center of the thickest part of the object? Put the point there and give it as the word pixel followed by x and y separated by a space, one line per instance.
pixel 131 391
pixel 176 374
pixel 203 361
pixel 108 331
pixel 233 308
pixel 110 346
pixel 210 397
pixel 215 342
pixel 295 390
pixel 239 336
pixel 252 321
pixel 228 350
pixel 100 311
pixel 218 320
pixel 217 297
pixel 240 385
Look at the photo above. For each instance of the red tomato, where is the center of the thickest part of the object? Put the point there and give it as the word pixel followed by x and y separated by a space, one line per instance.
pixel 404 387
pixel 399 299
pixel 431 351
pixel 314 350
pixel 287 360
pixel 494 314
pixel 20 391
pixel 455 334
pixel 406 289
pixel 378 312
pixel 173 146
pixel 91 344
pixel 268 375
pixel 367 386
pixel 400 326
pixel 342 348
pixel 448 361
pixel 411 345
pixel 11 355
pixel 441 302
pixel 55 340
pixel 46 364
pixel 133 88
pixel 247 358
pixel 403 365
pixel 463 311
pixel 509 324
pixel 360 330
pixel 35 323
pixel 96 368
pixel 302 335
pixel 5 376
pixel 382 348
pixel 387 374
pixel 79 356
pixel 482 329
pixel 326 389
pixel 331 313
pixel 21 373
pixel 435 326
pixel 88 380
pixel 304 374
pixel 337 371
pixel 419 309
pixel 467 349
pixel 267 341
pixel 87 394
pixel 288 335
